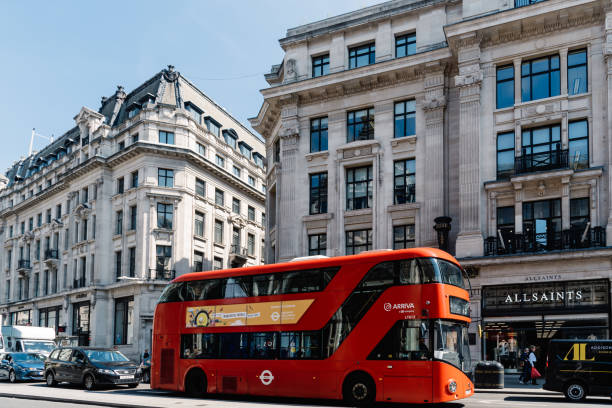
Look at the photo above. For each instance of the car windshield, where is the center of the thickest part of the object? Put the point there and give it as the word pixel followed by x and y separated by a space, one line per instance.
pixel 105 356
pixel 452 345
pixel 42 346
pixel 21 357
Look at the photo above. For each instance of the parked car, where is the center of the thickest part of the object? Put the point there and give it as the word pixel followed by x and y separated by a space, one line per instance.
pixel 91 367
pixel 579 368
pixel 22 366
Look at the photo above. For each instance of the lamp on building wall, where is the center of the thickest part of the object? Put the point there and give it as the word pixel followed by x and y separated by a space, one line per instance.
pixel 442 227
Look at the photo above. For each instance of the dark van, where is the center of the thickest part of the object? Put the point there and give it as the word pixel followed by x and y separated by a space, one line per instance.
pixel 579 368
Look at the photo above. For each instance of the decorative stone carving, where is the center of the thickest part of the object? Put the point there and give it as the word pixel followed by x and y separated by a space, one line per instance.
pixel 170 74
pixel 434 103
pixel 468 79
pixel 290 70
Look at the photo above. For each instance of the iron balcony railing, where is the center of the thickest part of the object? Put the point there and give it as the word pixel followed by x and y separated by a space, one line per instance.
pixel 550 241
pixel 553 160
pixel 161 274
pixel 523 3
pixel 51 254
pixel 23 264
pixel 238 250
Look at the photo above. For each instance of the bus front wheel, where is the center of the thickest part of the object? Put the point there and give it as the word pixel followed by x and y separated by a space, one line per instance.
pixel 359 389
pixel 575 391
pixel 195 383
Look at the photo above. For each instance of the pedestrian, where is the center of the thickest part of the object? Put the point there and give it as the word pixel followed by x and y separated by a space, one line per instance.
pixel 526 373
pixel 532 361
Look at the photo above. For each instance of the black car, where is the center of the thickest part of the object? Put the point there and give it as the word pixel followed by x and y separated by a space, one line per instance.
pixel 91 367
pixel 579 368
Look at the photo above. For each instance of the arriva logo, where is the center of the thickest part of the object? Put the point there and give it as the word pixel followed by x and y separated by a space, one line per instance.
pixel 398 306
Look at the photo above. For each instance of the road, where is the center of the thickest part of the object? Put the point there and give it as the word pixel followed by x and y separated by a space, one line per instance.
pixel 24 395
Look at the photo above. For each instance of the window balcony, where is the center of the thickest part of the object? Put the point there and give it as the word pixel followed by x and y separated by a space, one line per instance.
pixel 78 283
pixel 23 264
pixel 553 160
pixel 545 242
pixel 523 3
pixel 51 254
pixel 238 256
pixel 161 274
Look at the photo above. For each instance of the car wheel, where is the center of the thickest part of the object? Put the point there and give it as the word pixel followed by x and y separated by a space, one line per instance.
pixel 575 391
pixel 12 376
pixel 133 385
pixel 89 382
pixel 50 378
pixel 359 390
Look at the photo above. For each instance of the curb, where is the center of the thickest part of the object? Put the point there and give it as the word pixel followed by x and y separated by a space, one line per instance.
pixel 69 401
pixel 513 392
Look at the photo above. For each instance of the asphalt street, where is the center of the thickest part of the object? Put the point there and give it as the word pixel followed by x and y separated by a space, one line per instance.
pixel 39 395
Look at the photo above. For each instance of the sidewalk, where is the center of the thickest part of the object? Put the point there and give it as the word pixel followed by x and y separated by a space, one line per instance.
pixel 512 386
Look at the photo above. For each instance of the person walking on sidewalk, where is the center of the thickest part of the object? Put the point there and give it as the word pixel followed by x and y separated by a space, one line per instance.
pixel 526 374
pixel 532 361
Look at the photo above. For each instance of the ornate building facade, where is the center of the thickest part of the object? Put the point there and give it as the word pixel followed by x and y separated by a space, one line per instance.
pixel 495 114
pixel 154 184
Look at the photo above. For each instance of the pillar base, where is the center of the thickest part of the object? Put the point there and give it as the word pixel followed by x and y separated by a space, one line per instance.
pixel 609 232
pixel 469 244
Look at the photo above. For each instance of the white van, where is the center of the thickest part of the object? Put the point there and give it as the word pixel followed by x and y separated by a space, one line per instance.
pixel 29 339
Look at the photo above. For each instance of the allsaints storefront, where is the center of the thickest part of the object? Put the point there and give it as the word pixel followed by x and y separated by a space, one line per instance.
pixel 519 315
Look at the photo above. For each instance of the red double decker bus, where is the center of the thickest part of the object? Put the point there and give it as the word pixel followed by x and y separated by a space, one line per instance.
pixel 379 326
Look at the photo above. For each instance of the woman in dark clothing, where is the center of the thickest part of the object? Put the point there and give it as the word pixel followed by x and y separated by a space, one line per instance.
pixel 526 374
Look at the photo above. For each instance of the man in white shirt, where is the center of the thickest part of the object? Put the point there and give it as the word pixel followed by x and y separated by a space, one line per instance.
pixel 532 361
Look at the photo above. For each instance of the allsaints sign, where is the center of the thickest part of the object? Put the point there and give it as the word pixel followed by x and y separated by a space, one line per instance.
pixel 541 297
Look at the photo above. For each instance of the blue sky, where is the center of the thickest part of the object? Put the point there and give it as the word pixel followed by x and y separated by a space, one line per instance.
pixel 57 56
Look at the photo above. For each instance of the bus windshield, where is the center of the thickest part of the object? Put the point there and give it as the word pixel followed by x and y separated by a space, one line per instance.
pixel 451 344
pixel 441 271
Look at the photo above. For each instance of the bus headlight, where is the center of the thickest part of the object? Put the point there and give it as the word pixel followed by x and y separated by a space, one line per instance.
pixel 452 386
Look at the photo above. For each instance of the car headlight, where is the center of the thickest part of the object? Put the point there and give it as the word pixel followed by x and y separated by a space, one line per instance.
pixel 105 371
pixel 34 369
pixel 452 386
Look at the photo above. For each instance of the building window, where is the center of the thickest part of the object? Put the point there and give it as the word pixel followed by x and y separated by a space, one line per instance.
pixel 317 244
pixel 134 138
pixel 118 264
pixel 132 266
pixel 320 65
pixel 124 321
pixel 133 214
pixel 358 241
pixel 505 155
pixel 405 113
pixel 165 178
pixel 318 193
pixel 134 179
pixel 220 161
pixel 360 125
pixel 31 224
pixel 403 236
pixel 251 213
pixel 219 197
pixel 84 235
pixel 164 215
pixel 505 225
pixel 579 144
pixel 39 220
pixel 359 188
pixel 251 244
pixel 194 111
pixel 579 215
pixel 505 86
pixel 201 149
pixel 245 150
pixel 58 211
pixel 235 205
pixel 236 238
pixel 236 171
pixel 120 185
pixel 276 151
pixel 542 224
pixel 119 222
pixel 577 72
pixel 540 78
pixel 199 224
pixel 217 263
pixel 213 126
pixel 362 55
pixel 198 261
pixel 218 232
pixel 163 257
pixel 166 137
pixel 541 148
pixel 405 45
pixel 263 219
pixel 318 134
pixel 200 187
pixel 251 181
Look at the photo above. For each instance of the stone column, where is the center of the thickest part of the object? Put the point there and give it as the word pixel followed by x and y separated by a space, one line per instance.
pixel 517 81
pixel 565 203
pixel 518 208
pixel 384 50
pixel 433 107
pixel 563 66
pixel 608 59
pixel 287 233
pixel 469 241
pixel 337 53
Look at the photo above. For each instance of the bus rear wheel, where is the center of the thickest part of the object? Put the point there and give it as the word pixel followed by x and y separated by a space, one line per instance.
pixel 195 383
pixel 575 391
pixel 359 389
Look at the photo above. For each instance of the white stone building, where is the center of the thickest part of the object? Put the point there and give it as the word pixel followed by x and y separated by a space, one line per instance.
pixel 495 113
pixel 156 183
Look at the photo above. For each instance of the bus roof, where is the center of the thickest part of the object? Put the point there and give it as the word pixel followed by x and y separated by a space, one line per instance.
pixel 369 256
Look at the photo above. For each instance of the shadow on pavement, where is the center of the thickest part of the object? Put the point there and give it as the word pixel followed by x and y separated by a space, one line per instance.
pixel 555 399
